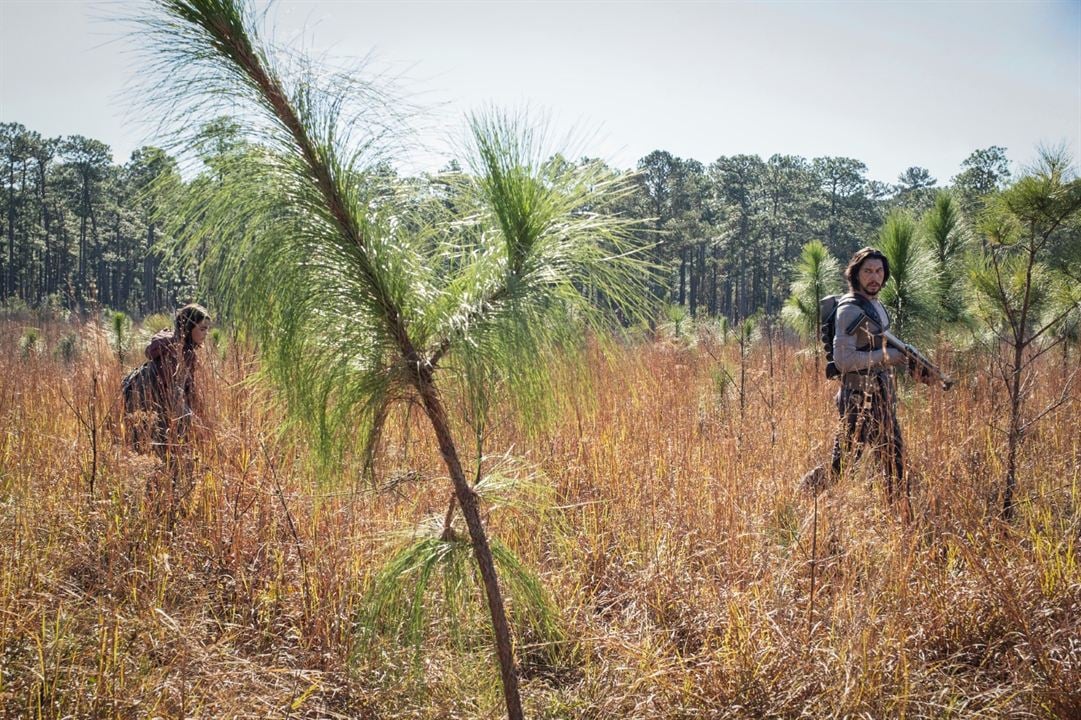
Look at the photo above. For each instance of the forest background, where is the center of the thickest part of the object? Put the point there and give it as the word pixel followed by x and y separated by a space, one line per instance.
pixel 726 235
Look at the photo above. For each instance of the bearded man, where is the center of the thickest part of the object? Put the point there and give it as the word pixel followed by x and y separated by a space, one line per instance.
pixel 867 399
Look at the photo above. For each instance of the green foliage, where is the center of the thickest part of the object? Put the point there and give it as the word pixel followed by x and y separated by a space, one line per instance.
pixel 120 333
pixel 487 284
pixel 399 601
pixel 999 289
pixel 915 189
pixel 14 307
pixel 817 274
pixel 723 237
pixel 218 341
pixel 434 566
pixel 157 322
pixel 722 379
pixel 1064 303
pixel 909 294
pixel 529 255
pixel 722 329
pixel 748 331
pixel 845 204
pixel 67 348
pixel 1021 296
pixel 677 325
pixel 983 173
pixel 945 238
pixel 1024 286
pixel 31 343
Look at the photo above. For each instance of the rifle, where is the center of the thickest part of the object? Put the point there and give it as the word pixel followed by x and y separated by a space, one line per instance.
pixel 917 359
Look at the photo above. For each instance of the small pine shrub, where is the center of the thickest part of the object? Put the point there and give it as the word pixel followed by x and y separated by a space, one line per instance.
pixel 31 343
pixel 722 382
pixel 14 308
pixel 120 335
pixel 678 326
pixel 67 348
pixel 723 329
pixel 157 322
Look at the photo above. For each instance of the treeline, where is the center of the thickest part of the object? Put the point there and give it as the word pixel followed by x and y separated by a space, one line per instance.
pixel 78 229
pixel 729 233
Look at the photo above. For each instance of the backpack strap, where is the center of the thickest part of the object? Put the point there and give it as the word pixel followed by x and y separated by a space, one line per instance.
pixel 866 306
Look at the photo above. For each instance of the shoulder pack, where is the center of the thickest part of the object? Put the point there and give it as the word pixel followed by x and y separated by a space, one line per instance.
pixel 828 308
pixel 140 388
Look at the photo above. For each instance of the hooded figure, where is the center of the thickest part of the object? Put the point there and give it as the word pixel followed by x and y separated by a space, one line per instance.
pixel 160 394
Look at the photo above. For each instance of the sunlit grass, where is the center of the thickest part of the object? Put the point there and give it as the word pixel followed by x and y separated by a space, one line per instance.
pixel 674 545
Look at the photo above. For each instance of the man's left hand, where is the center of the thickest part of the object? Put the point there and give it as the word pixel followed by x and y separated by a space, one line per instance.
pixel 919 372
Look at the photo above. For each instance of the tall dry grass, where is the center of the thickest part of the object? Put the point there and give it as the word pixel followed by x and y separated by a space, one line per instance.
pixel 675 543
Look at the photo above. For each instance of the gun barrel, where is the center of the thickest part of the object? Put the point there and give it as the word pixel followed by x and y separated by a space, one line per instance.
pixel 945 380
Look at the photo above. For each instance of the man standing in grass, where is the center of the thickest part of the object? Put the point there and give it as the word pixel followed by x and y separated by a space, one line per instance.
pixel 867 399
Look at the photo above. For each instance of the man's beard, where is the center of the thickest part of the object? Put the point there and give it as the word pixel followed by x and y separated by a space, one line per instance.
pixel 870 293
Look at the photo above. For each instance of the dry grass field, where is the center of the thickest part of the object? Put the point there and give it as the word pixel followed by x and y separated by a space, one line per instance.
pixel 665 523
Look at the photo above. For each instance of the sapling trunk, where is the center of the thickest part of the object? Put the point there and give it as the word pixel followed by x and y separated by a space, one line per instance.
pixel 817 332
pixel 1013 432
pixel 814 561
pixel 467 501
pixel 92 428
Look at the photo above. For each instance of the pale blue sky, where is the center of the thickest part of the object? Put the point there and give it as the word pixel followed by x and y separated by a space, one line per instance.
pixel 893 84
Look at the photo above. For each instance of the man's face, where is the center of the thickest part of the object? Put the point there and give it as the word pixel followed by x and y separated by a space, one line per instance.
pixel 871 277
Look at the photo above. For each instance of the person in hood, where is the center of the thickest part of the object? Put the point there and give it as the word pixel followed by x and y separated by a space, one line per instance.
pixel 163 389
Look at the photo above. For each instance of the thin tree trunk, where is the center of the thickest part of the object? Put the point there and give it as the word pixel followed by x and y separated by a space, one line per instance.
pixel 770 271
pixel 682 276
pixel 1020 342
pixel 1013 439
pixel 115 280
pixel 99 259
pixel 82 243
pixel 46 228
pixel 9 274
pixel 694 272
pixel 467 501
pixel 149 272
pixel 713 282
pixel 62 278
pixel 28 262
pixel 818 331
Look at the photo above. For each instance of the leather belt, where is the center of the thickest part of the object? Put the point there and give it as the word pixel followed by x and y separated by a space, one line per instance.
pixel 863 381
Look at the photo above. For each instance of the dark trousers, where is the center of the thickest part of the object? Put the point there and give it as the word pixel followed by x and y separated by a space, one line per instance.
pixel 868 412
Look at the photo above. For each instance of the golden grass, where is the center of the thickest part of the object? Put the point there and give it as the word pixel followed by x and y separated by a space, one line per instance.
pixel 677 547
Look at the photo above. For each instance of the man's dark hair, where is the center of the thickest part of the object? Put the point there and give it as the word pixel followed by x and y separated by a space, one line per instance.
pixel 852 272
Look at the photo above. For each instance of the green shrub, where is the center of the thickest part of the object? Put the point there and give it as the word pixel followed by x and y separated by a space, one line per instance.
pixel 157 322
pixel 120 332
pixel 67 348
pixel 31 342
pixel 219 341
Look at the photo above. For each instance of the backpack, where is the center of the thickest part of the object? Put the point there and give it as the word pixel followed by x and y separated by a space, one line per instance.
pixel 828 308
pixel 140 390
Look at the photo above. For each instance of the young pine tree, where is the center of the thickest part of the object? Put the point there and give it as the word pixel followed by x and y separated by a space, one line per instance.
pixel 944 236
pixel 909 294
pixel 817 275
pixel 363 297
pixel 1024 290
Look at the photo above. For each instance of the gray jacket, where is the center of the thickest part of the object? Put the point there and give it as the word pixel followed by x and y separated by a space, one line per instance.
pixel 862 350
